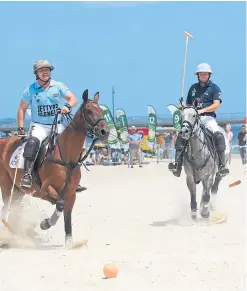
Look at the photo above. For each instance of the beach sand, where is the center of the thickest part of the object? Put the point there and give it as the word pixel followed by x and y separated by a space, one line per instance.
pixel 140 220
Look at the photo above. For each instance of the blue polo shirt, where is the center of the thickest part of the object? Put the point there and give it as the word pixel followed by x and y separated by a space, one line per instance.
pixel 45 102
pixel 134 137
pixel 205 96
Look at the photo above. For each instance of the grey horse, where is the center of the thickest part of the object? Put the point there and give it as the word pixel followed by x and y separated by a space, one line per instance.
pixel 200 161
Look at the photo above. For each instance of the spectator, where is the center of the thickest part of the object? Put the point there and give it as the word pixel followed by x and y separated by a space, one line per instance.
pixel 134 146
pixel 104 156
pixel 242 143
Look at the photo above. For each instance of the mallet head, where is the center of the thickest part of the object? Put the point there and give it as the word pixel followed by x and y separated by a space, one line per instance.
pixel 187 34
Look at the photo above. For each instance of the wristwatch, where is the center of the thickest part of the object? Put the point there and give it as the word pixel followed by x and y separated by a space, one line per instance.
pixel 68 106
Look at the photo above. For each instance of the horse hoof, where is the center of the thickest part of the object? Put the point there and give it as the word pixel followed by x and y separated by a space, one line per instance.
pixel 69 242
pixel 194 214
pixel 44 225
pixel 205 215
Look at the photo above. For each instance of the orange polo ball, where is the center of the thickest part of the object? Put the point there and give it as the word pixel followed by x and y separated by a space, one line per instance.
pixel 110 271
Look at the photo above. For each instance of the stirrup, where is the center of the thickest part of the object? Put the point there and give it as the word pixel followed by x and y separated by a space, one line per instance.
pixel 173 167
pixel 24 183
pixel 221 172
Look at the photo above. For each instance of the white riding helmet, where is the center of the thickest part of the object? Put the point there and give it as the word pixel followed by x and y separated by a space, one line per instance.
pixel 42 64
pixel 203 68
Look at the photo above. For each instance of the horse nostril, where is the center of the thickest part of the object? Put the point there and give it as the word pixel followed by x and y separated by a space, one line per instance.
pixel 184 130
pixel 102 131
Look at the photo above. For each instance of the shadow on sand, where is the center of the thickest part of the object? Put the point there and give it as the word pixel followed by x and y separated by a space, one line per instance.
pixel 181 222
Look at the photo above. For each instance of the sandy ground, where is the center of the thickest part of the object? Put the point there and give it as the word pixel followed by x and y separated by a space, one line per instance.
pixel 140 220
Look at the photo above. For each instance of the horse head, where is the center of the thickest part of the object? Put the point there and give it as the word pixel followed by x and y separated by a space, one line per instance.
pixel 90 118
pixel 190 118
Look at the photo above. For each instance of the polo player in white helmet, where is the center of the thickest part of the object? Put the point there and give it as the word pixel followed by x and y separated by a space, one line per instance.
pixel 206 96
pixel 44 97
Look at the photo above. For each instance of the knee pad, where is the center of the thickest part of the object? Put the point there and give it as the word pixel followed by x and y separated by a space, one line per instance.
pixel 180 143
pixel 31 148
pixel 219 140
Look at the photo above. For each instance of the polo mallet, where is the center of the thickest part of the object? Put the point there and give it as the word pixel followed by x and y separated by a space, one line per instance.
pixel 185 59
pixel 5 221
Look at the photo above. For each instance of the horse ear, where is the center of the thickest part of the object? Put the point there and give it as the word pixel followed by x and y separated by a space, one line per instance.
pixel 96 97
pixel 85 95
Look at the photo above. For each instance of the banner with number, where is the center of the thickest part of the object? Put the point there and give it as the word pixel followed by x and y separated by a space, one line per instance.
pixel 123 124
pixel 176 116
pixel 152 122
pixel 112 139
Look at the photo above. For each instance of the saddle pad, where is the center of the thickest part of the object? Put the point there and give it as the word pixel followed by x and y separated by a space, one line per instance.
pixel 14 158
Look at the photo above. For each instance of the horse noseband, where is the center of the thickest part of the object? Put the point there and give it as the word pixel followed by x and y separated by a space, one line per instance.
pixel 189 124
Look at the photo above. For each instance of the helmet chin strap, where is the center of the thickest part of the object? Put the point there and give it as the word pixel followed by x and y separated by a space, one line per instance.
pixel 204 83
pixel 45 82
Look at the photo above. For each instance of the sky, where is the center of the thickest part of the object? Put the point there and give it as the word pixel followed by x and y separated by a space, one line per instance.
pixel 136 47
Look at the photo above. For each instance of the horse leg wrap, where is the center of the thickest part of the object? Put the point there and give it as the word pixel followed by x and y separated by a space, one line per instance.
pixel 54 218
pixel 193 205
pixel 60 205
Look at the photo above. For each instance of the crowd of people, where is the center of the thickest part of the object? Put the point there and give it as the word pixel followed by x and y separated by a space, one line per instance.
pixel 164 149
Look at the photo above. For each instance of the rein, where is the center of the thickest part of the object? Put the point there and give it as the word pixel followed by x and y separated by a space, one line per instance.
pixel 90 131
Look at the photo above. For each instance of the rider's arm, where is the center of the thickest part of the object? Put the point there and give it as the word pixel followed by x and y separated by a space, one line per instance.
pixel 70 97
pixel 67 94
pixel 212 107
pixel 21 113
pixel 216 99
pixel 25 102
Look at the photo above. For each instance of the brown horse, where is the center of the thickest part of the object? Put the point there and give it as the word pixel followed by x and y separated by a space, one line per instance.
pixel 57 172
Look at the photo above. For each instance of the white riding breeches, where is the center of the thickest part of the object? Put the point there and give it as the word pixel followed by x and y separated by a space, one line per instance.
pixel 42 131
pixel 210 123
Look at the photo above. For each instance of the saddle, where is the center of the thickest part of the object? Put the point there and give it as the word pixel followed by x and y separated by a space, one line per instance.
pixel 46 148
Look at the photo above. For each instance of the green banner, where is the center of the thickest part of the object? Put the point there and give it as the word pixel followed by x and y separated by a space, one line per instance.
pixel 123 124
pixel 176 117
pixel 152 122
pixel 112 139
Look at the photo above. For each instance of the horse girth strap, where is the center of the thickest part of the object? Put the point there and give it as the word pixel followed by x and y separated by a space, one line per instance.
pixel 71 165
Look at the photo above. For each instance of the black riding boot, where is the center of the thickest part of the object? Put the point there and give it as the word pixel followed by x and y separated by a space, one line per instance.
pixel 223 170
pixel 176 167
pixel 30 153
pixel 221 146
pixel 26 180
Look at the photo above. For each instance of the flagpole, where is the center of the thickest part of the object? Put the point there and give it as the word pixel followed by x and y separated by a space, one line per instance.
pixel 113 103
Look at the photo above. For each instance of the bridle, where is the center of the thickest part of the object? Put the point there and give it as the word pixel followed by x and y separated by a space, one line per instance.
pixel 91 126
pixel 189 124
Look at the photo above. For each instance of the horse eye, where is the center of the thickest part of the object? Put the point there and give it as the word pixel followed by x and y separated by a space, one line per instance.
pixel 194 115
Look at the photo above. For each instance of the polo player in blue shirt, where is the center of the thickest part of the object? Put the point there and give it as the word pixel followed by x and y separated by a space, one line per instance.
pixel 207 97
pixel 44 97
